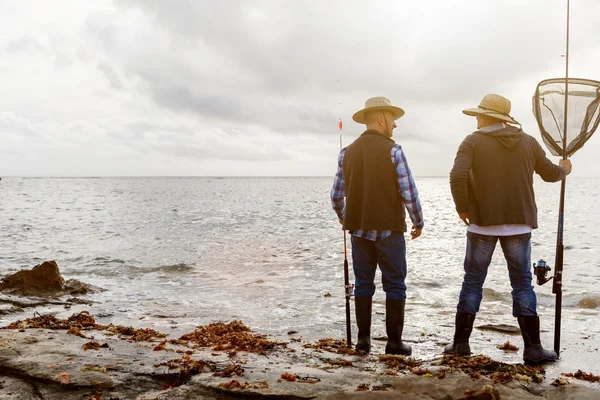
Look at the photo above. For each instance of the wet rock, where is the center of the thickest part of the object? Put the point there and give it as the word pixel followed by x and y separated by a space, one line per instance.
pixel 15 389
pixel 43 280
pixel 503 328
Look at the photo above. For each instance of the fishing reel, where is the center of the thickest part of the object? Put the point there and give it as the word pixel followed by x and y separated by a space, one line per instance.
pixel 541 271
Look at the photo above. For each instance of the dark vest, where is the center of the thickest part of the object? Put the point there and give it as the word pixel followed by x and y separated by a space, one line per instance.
pixel 373 201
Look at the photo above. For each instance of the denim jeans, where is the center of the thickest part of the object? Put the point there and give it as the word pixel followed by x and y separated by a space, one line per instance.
pixel 390 254
pixel 517 252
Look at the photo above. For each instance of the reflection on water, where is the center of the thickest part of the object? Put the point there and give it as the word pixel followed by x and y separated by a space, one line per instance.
pixel 266 250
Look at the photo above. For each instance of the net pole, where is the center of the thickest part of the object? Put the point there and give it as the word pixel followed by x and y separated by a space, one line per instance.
pixel 559 260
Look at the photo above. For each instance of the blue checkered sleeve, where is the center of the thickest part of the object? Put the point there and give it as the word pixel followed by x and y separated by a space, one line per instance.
pixel 407 187
pixel 338 191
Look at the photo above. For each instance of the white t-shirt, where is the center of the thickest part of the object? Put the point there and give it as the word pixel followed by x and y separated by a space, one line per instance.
pixel 500 230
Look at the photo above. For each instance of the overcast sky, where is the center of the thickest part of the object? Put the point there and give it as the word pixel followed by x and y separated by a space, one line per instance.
pixel 233 87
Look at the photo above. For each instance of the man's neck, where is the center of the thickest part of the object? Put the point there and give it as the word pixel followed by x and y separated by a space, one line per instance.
pixel 378 129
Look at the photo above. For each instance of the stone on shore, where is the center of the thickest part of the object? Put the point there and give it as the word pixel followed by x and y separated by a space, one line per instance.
pixel 43 280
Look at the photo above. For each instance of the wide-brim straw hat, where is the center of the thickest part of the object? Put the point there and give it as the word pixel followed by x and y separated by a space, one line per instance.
pixel 377 103
pixel 495 106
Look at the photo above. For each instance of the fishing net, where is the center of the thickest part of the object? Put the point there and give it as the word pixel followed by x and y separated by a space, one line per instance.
pixel 583 113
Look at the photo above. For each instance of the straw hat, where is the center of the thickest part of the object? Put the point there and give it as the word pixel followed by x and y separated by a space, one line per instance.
pixel 377 103
pixel 495 106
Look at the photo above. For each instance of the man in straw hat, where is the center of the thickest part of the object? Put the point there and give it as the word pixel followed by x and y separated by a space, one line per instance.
pixel 492 187
pixel 374 177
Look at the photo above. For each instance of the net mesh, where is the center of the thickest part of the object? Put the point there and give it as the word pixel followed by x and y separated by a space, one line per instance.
pixel 583 113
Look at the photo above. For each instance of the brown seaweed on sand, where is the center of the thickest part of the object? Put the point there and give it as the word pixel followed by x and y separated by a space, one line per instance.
pixel 286 376
pixel 583 376
pixel 508 346
pixel 234 336
pixel 477 366
pixel 136 334
pixel 232 369
pixel 338 361
pixel 333 346
pixel 235 384
pixel 399 363
pixel 93 345
pixel 187 367
pixel 83 320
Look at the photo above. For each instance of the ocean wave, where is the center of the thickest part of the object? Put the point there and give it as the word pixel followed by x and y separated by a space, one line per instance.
pixel 428 284
pixel 586 300
pixel 493 295
pixel 171 269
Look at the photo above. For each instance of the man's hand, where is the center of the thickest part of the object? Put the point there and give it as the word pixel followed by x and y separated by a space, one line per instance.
pixel 465 217
pixel 341 221
pixel 566 164
pixel 415 233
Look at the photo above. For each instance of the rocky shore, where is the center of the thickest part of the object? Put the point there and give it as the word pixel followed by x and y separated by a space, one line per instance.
pixel 45 357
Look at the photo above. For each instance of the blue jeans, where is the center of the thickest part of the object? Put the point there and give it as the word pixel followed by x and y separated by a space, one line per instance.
pixel 517 252
pixel 390 254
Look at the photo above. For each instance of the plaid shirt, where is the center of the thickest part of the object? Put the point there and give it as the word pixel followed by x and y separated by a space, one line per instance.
pixel 406 188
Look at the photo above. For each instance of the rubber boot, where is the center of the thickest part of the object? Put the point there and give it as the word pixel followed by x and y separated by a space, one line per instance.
pixel 362 307
pixel 462 333
pixel 534 352
pixel 394 325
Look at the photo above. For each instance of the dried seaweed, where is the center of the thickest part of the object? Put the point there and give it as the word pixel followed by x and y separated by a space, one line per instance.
pixel 421 371
pixel 187 367
pixel 338 361
pixel 235 384
pixel 234 336
pixel 584 376
pixel 83 320
pixel 136 334
pixel 288 377
pixel 363 387
pixel 333 346
pixel 232 369
pixel 500 372
pixel 93 345
pixel 399 363
pixel 508 346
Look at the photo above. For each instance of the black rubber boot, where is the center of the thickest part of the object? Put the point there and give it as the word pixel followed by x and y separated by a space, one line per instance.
pixel 362 307
pixel 534 352
pixel 394 325
pixel 462 333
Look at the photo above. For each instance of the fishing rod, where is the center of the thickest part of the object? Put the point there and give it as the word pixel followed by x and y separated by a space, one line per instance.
pixel 347 287
pixel 560 248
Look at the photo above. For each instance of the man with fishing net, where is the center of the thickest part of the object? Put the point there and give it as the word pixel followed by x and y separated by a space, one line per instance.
pixel 492 188
pixel 375 183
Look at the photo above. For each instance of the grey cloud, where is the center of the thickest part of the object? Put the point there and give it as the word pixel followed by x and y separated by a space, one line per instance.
pixel 61 60
pixel 140 127
pixel 178 140
pixel 221 153
pixel 25 43
pixel 180 98
pixel 11 124
pixel 218 107
pixel 111 76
